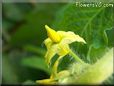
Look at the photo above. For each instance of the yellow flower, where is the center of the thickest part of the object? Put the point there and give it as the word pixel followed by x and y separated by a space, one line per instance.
pixel 58 42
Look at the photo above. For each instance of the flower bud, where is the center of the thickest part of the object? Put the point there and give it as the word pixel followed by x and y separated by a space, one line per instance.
pixel 52 34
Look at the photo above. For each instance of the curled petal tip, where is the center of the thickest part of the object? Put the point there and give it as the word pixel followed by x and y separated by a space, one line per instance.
pixel 84 42
pixel 47 27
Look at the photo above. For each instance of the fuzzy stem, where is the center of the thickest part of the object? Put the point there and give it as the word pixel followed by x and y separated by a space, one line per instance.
pixel 94 74
pixel 76 57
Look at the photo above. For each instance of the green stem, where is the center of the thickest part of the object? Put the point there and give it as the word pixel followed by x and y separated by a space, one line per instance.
pixel 56 66
pixel 76 57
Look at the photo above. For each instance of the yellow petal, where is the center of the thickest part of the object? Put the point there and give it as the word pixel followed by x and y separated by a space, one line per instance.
pixel 63 49
pixel 51 52
pixel 52 34
pixel 46 81
pixel 70 37
pixel 48 42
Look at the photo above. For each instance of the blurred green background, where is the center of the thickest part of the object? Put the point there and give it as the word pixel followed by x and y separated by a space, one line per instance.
pixel 23 34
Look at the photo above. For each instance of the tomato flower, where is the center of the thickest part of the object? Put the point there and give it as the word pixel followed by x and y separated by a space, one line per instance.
pixel 58 42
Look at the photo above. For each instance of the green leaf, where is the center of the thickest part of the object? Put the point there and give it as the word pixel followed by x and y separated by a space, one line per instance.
pixel 95 25
pixel 35 62
pixel 89 23
pixel 110 34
